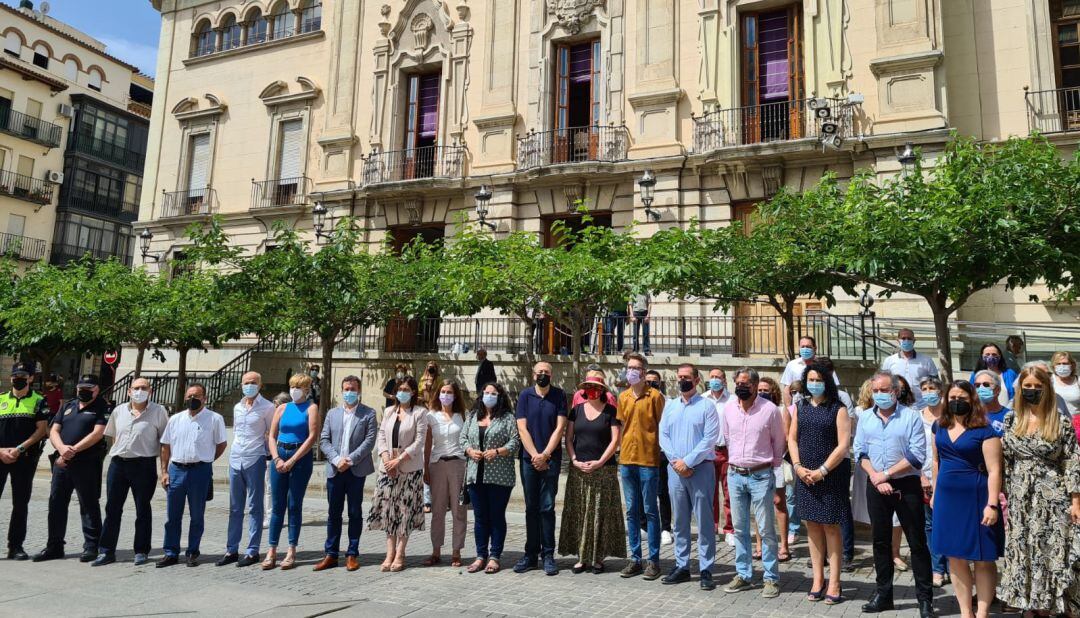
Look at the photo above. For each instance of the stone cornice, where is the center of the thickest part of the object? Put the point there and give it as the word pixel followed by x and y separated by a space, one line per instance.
pixel 907 62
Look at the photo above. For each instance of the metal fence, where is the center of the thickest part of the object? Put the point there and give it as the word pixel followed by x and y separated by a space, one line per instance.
pixel 770 122
pixel 22 247
pixel 26 188
pixel 189 202
pixel 30 128
pixel 1053 111
pixel 573 145
pixel 280 192
pixel 414 163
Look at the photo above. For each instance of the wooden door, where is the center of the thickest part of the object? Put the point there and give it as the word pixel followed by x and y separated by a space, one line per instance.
pixel 796 109
pixel 750 128
pixel 771 119
pixel 561 139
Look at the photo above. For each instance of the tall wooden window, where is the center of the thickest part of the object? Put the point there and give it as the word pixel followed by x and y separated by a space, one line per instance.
pixel 421 125
pixel 577 101
pixel 1066 17
pixel 772 80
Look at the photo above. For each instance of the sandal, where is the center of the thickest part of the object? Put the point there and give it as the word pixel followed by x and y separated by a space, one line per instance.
pixel 269 563
pixel 598 568
pixel 493 567
pixel 288 563
pixel 385 567
pixel 756 555
pixel 578 568
pixel 455 561
pixel 432 560
pixel 477 565
pixel 838 599
pixel 783 556
pixel 814 597
pixel 397 567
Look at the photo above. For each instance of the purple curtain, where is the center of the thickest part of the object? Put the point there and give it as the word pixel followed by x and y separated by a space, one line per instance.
pixel 429 105
pixel 773 51
pixel 581 63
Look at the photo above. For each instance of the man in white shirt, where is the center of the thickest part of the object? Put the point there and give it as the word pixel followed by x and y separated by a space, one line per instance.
pixel 910 364
pixel 718 395
pixel 795 367
pixel 135 429
pixel 192 440
pixel 252 417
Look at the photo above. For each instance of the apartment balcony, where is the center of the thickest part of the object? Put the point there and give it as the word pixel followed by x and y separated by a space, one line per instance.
pixel 22 247
pixel 280 192
pixel 595 143
pixel 32 129
pixel 73 199
pixel 63 254
pixel 773 122
pixel 26 188
pixel 109 152
pixel 188 203
pixel 1053 111
pixel 414 164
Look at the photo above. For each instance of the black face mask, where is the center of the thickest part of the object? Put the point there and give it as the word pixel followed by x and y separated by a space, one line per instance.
pixel 655 385
pixel 85 395
pixel 742 391
pixel 686 386
pixel 19 383
pixel 431 370
pixel 766 396
pixel 543 380
pixel 959 407
pixel 194 403
pixel 1031 395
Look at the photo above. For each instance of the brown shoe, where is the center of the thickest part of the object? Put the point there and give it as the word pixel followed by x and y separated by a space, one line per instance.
pixel 352 563
pixel 328 562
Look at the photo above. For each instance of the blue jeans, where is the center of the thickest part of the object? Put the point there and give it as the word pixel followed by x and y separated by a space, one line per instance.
pixel 847 530
pixel 287 490
pixel 246 488
pixel 754 491
pixel 614 329
pixel 640 484
pixel 489 518
pixel 341 488
pixel 642 326
pixel 694 496
pixel 939 563
pixel 794 523
pixel 540 489
pixel 190 485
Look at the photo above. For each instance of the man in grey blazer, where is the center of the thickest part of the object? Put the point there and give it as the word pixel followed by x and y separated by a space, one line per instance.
pixel 348 435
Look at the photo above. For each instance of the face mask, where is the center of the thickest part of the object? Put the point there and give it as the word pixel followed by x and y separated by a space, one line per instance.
pixel 884 401
pixel 1031 395
pixel 592 394
pixel 140 396
pixel 959 407
pixel 447 399
pixel 716 385
pixel 296 394
pixel 1063 371
pixel 806 353
pixel 633 376
pixel 686 386
pixel 350 397
pixel 404 397
pixel 543 380
pixel 399 375
pixel 742 391
pixel 314 373
pixel 907 345
pixel 991 361
pixel 250 390
pixel 19 383
pixel 194 403
pixel 655 385
pixel 765 396
pixel 817 389
pixel 490 399
pixel 986 393
pixel 85 395
pixel 932 398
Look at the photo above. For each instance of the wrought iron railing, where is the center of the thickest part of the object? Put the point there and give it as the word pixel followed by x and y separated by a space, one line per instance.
pixel 187 203
pixel 771 122
pixel 74 199
pixel 108 151
pixel 30 128
pixel 62 254
pixel 1053 111
pixel 22 247
pixel 573 145
pixel 414 164
pixel 280 192
pixel 26 188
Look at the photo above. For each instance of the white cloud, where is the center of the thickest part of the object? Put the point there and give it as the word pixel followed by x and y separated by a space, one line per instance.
pixel 139 54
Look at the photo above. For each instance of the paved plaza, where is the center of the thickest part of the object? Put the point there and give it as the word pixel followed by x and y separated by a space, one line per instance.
pixel 72 589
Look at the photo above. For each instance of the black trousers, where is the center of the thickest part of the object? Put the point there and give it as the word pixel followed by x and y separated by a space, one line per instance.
pixel 22 482
pixel 83 477
pixel 139 475
pixel 908 506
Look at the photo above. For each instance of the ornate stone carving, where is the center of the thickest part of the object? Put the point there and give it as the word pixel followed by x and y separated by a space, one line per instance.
pixel 421 27
pixel 573 14
pixel 384 24
pixel 463 11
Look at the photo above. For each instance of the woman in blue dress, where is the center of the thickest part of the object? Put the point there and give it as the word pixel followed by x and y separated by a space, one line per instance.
pixel 967 482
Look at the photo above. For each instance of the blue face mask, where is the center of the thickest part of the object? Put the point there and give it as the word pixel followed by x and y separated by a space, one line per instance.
pixel 986 393
pixel 806 353
pixel 250 390
pixel 817 389
pixel 884 401
pixel 490 400
pixel 907 345
pixel 350 397
pixel 404 397
pixel 716 385
pixel 932 398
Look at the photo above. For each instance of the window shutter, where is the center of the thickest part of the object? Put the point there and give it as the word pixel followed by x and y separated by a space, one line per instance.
pixel 199 170
pixel 291 144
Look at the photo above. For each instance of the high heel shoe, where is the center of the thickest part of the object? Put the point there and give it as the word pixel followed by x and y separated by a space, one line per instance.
pixel 397 567
pixel 834 600
pixel 269 563
pixel 288 563
pixel 815 596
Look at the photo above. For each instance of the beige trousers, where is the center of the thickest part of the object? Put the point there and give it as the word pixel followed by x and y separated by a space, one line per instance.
pixel 446 480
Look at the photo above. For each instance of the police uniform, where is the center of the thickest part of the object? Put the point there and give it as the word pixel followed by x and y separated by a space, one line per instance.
pixel 19 418
pixel 81 475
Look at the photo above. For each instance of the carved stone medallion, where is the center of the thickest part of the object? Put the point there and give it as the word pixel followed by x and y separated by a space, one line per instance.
pixel 573 14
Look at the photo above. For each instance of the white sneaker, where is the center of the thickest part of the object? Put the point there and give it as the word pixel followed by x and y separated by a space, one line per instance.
pixel 666 538
pixel 729 538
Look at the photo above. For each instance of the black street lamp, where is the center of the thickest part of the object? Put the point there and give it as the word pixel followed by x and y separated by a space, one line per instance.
pixel 145 237
pixel 483 196
pixel 647 184
pixel 318 215
pixel 907 156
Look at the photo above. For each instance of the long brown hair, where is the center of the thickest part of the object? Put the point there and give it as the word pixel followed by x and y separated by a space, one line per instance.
pixel 458 407
pixel 977 418
pixel 1045 411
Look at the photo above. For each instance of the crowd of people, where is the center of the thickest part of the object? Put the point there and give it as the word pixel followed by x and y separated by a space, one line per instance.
pixel 972 472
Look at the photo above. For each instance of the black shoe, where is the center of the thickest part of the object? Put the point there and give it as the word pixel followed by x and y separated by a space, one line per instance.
pixel 193 559
pixel 707 582
pixel 550 566
pixel 88 555
pixel 526 564
pixel 166 561
pixel 848 565
pixel 926 610
pixel 103 559
pixel 49 554
pixel 247 560
pixel 877 604
pixel 17 554
pixel 227 559
pixel 676 576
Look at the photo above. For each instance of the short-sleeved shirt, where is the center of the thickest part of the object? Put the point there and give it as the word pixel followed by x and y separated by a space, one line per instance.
pixel 136 436
pixel 76 424
pixel 592 438
pixel 997 420
pixel 251 424
pixel 19 417
pixel 194 439
pixel 794 370
pixel 640 417
pixel 541 415
pixel 640 304
pixel 913 369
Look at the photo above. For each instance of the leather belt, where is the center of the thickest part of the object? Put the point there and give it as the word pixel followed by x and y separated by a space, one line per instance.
pixel 748 471
pixel 188 466
pixel 291 446
pixel 451 459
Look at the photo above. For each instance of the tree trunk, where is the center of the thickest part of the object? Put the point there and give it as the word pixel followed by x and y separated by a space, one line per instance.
pixel 575 346
pixel 181 378
pixel 786 309
pixel 530 345
pixel 139 359
pixel 328 345
pixel 942 335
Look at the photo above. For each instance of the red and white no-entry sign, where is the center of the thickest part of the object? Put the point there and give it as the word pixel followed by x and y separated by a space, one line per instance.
pixel 111 358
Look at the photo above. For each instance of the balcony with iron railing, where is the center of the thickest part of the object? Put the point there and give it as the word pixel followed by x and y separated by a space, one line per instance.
pixel 109 152
pixel 74 199
pixel 30 128
pixel 188 203
pixel 596 143
pixel 414 164
pixel 280 192
pixel 25 188
pixel 1053 111
pixel 63 254
pixel 22 247
pixel 772 122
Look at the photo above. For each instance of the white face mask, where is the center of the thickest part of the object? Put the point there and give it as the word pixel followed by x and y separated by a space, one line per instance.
pixel 1063 371
pixel 140 396
pixel 297 394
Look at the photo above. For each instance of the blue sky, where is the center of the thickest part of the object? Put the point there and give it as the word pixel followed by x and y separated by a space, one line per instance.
pixel 128 27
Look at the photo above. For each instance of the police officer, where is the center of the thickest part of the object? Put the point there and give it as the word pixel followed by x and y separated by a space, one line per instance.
pixel 23 417
pixel 76 434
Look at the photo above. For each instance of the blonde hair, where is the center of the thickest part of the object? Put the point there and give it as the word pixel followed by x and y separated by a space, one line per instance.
pixel 1046 410
pixel 866 395
pixel 300 380
pixel 1060 357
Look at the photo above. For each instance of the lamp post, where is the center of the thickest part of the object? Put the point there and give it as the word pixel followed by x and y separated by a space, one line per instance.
pixel 483 196
pixel 646 186
pixel 866 301
pixel 145 237
pixel 907 156
pixel 318 215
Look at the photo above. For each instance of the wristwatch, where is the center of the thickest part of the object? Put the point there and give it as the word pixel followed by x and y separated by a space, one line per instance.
pixel 21 449
pixel 887 476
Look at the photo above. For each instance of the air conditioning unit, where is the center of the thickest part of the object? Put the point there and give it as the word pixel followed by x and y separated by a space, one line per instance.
pixel 55 177
pixel 65 110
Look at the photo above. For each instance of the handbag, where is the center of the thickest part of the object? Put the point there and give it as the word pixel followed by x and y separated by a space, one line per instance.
pixel 463 496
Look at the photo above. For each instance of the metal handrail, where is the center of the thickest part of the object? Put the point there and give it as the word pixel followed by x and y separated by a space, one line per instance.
pixel 26 187
pixel 188 202
pixel 600 143
pixel 1053 111
pixel 31 128
pixel 414 164
pixel 22 247
pixel 63 253
pixel 769 122
pixel 279 192
pixel 109 151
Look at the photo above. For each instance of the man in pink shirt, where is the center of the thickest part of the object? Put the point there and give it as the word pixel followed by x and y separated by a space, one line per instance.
pixel 754 433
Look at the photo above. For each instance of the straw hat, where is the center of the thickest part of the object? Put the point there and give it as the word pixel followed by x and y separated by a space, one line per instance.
pixel 593 381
